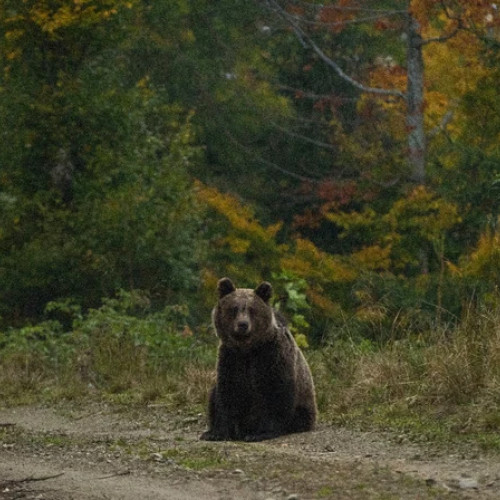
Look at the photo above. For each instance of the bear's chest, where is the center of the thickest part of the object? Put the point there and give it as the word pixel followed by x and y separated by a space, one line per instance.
pixel 247 378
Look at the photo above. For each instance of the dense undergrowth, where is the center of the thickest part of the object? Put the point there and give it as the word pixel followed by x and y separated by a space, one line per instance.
pixel 122 352
pixel 444 384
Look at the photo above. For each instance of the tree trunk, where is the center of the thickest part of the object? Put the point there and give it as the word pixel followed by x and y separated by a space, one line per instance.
pixel 415 101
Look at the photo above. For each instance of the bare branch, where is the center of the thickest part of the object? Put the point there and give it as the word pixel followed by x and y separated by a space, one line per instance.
pixel 303 36
pixel 329 62
pixel 125 472
pixel 30 479
pixel 304 138
pixel 459 26
pixel 311 95
pixel 268 163
pixel 445 120
pixel 440 39
pixel 345 8
pixel 358 20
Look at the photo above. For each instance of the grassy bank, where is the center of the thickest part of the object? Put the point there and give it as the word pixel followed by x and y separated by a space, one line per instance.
pixel 441 385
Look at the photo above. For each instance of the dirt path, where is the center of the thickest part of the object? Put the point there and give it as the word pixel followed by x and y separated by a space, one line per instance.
pixel 104 452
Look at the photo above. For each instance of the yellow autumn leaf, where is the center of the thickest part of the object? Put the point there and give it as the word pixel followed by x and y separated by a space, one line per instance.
pixel 238 245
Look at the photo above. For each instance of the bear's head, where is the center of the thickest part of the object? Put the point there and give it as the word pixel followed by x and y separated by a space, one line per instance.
pixel 242 316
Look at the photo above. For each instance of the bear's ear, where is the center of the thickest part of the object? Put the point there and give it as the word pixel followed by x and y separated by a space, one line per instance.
pixel 264 291
pixel 225 286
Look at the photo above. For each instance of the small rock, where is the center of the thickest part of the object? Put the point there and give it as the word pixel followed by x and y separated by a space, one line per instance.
pixel 157 457
pixel 293 496
pixel 238 471
pixel 467 483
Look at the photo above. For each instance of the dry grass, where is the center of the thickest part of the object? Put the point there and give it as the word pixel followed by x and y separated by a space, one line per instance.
pixel 450 374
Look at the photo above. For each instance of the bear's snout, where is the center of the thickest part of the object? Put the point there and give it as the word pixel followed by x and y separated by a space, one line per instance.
pixel 242 326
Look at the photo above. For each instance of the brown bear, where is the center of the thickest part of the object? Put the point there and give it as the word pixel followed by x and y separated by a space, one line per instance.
pixel 264 386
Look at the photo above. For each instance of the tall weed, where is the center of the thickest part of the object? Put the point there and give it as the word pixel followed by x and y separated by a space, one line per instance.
pixel 451 372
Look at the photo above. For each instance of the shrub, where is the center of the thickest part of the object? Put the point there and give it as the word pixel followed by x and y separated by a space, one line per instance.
pixel 120 348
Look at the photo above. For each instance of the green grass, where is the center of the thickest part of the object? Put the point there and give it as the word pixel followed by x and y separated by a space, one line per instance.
pixel 325 492
pixel 206 457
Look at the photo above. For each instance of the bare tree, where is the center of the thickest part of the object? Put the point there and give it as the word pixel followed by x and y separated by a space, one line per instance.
pixel 306 23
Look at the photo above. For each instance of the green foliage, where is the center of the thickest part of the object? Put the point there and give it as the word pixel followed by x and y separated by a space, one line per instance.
pixel 120 348
pixel 100 105
pixel 136 227
pixel 419 221
pixel 292 301
pixel 94 187
pixel 162 340
pixel 240 246
pixel 44 342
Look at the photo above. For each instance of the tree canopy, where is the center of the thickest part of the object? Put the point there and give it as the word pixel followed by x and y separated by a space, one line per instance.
pixel 346 150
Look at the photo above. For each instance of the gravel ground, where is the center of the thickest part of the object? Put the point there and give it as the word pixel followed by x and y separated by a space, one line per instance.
pixel 109 452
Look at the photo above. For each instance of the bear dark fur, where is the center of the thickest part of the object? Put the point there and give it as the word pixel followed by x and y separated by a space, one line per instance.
pixel 264 386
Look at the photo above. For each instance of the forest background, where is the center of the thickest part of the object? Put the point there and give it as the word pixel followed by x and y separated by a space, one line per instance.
pixel 346 151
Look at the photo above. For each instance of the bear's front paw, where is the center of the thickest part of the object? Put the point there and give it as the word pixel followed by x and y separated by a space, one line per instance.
pixel 263 436
pixel 211 436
